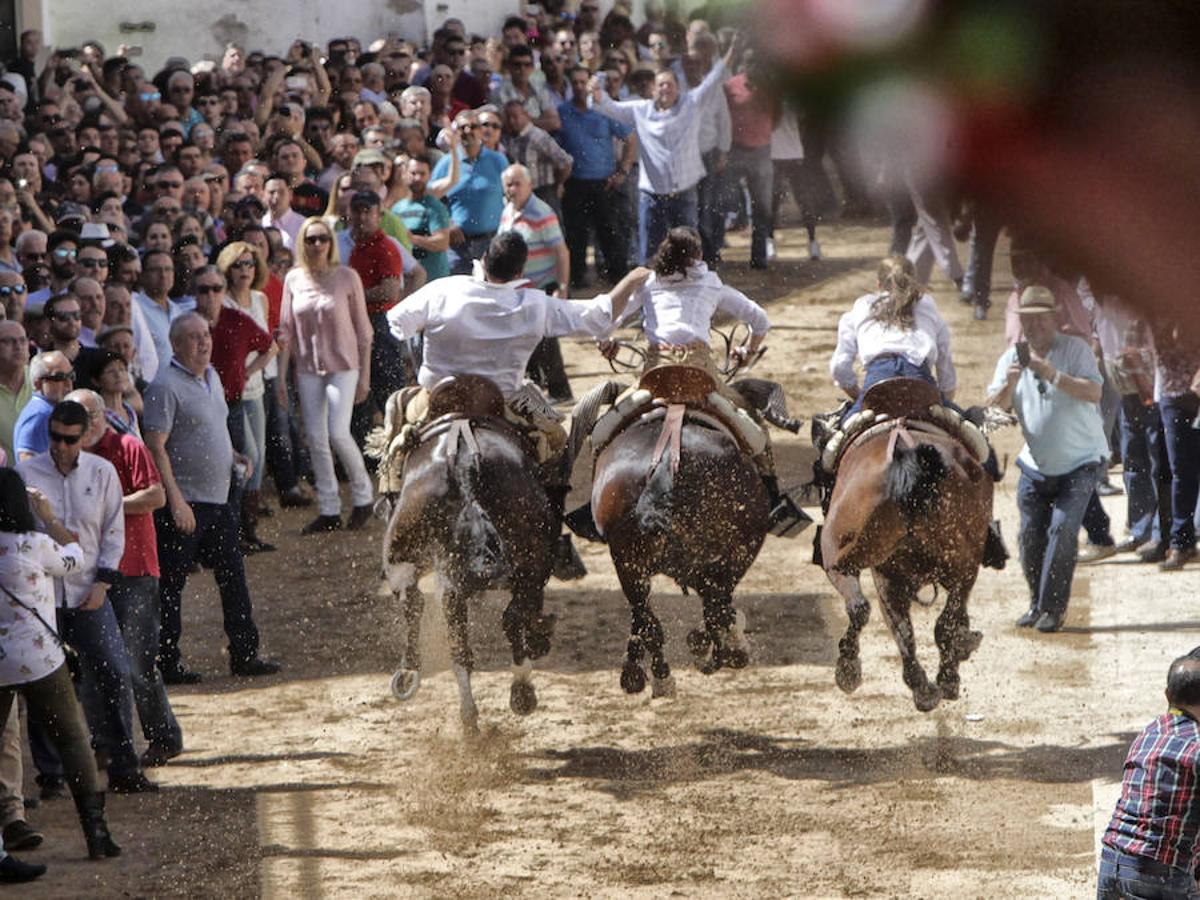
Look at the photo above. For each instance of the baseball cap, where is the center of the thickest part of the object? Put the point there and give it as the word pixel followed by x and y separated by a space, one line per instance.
pixel 369 157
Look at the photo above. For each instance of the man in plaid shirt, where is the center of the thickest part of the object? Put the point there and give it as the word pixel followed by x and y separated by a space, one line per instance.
pixel 1150 845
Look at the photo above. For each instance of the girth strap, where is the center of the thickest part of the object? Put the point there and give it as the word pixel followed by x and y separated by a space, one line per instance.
pixel 671 434
pixel 461 428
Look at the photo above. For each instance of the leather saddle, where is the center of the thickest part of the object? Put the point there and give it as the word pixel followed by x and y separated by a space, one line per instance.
pixel 470 396
pixel 900 398
pixel 687 385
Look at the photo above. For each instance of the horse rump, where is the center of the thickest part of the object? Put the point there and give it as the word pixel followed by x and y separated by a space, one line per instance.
pixel 476 541
pixel 914 476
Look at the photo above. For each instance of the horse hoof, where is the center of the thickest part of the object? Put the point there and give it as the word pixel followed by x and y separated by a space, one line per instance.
pixel 736 659
pixel 927 698
pixel 848 674
pixel 970 641
pixel 663 687
pixel 522 698
pixel 405 683
pixel 948 687
pixel 633 680
pixel 537 638
pixel 699 643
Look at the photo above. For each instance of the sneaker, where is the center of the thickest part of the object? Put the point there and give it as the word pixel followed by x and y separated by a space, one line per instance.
pixel 1029 618
pixel 814 250
pixel 252 545
pixel 177 673
pixel 770 248
pixel 980 312
pixel 253 667
pixel 1049 622
pixel 157 755
pixel 322 524
pixel 137 783
pixel 1129 545
pixel 13 871
pixel 1176 559
pixel 20 835
pixel 1093 553
pixel 360 516
pixel 1151 552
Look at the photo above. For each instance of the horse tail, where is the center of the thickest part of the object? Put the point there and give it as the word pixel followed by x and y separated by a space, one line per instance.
pixel 475 536
pixel 653 511
pixel 913 477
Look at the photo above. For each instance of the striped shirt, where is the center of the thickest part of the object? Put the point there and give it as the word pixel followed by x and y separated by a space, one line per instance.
pixel 1158 815
pixel 537 223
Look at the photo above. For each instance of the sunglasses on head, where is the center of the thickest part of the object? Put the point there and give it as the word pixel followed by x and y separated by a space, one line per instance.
pixel 57 437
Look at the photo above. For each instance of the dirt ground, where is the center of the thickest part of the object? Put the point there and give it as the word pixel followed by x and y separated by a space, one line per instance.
pixel 766 782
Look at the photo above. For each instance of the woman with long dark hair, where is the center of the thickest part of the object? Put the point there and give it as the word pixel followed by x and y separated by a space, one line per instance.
pixel 34 663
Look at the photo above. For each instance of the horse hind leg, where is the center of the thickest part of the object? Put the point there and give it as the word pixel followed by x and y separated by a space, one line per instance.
pixel 848 671
pixel 407 678
pixel 463 659
pixel 643 629
pixel 725 633
pixel 895 597
pixel 955 640
pixel 528 633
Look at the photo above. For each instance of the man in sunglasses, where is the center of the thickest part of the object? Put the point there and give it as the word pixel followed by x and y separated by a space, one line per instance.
pixel 62 248
pixel 518 85
pixel 30 251
pixel 51 375
pixel 12 295
pixel 65 312
pixel 85 493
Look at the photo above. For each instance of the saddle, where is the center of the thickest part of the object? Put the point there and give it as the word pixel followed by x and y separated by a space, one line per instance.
pixel 673 391
pixel 469 396
pixel 909 400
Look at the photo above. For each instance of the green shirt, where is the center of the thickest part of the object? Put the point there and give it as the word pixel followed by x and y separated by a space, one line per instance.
pixel 11 405
pixel 424 217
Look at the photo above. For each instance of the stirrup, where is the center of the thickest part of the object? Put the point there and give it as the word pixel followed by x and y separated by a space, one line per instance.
pixel 787 519
pixel 581 522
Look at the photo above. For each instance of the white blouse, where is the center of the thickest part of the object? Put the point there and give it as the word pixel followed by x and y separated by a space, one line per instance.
pixel 27 563
pixel 862 337
pixel 679 310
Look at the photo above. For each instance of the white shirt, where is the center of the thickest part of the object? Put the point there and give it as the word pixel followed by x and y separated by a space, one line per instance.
pixel 785 139
pixel 147 358
pixel 89 503
pixel 288 224
pixel 860 336
pixel 668 139
pixel 27 562
pixel 679 310
pixel 716 126
pixel 474 327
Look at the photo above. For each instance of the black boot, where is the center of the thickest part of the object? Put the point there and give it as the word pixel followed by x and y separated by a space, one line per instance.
pixel 581 522
pixel 818 558
pixel 995 554
pixel 14 871
pixel 786 518
pixel 992 465
pixel 95 830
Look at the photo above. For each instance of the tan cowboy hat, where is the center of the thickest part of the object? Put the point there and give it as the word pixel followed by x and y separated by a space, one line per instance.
pixel 1036 299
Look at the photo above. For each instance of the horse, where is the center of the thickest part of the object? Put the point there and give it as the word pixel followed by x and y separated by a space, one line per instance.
pixel 471 510
pixel 674 495
pixel 913 505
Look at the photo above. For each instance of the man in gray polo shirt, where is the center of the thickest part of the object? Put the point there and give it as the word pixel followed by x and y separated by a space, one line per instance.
pixel 185 428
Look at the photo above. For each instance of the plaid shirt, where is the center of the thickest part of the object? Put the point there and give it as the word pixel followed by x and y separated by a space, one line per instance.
pixel 538 152
pixel 1158 815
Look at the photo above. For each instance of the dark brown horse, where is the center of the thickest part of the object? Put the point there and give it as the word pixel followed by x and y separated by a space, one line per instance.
pixel 690 505
pixel 472 510
pixel 913 506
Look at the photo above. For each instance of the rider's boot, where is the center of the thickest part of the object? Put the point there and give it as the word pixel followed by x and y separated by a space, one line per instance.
pixel 786 518
pixel 995 554
pixel 568 564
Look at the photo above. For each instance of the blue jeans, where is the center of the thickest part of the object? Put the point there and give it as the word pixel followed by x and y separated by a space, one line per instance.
pixel 1126 877
pixel 659 213
pixel 135 601
pixel 1147 470
pixel 710 194
pixel 754 165
pixel 105 692
pixel 254 421
pixel 981 252
pixel 464 255
pixel 214 542
pixel 882 368
pixel 1183 452
pixel 1052 508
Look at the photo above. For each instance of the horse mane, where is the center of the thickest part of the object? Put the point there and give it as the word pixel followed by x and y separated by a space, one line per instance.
pixel 913 478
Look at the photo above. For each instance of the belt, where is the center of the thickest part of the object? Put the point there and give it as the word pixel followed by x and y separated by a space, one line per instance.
pixel 1142 864
pixel 679 348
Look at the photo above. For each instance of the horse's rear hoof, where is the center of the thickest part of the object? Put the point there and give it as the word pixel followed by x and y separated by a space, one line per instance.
pixel 633 680
pixel 927 698
pixel 663 687
pixel 848 674
pixel 735 659
pixel 970 643
pixel 522 698
pixel 948 687
pixel 405 683
pixel 699 643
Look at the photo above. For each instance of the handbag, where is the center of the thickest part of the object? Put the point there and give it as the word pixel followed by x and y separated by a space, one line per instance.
pixel 74 664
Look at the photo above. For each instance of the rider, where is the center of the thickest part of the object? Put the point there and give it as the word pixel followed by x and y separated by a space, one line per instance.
pixel 489 323
pixel 897 332
pixel 678 303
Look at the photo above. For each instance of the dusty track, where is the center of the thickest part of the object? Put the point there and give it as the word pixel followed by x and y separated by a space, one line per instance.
pixel 762 783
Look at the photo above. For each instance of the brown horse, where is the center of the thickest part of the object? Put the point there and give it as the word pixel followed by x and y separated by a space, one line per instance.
pixel 913 506
pixel 696 513
pixel 471 510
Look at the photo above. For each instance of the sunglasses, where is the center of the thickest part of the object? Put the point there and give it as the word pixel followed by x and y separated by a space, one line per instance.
pixel 660 45
pixel 489 124
pixel 168 185
pixel 243 264
pixel 9 290
pixel 316 239
pixel 202 289
pixel 59 376
pixel 67 316
pixel 63 253
pixel 94 263
pixel 467 126
pixel 57 437
pixel 150 96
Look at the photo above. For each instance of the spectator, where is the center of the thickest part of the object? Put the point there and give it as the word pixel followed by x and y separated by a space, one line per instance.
pixel 65 317
pixel 326 328
pixel 425 217
pixel 31 254
pixel 51 375
pixel 279 210
pixel 119 309
pixel 12 295
pixel 1178 406
pixel 715 138
pixel 158 276
pixel 16 383
pixel 1056 398
pixel 476 199
pixel 668 129
pixel 1149 848
pixel 753 114
pixel 794 170
pixel 518 85
pixel 84 492
pixel 114 385
pixel 548 164
pixel 62 247
pixel 186 431
pixel 36 667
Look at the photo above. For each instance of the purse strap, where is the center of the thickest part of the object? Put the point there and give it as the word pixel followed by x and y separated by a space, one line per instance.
pixel 21 603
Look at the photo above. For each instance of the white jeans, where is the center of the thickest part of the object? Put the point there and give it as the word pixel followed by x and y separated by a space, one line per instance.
pixel 326 402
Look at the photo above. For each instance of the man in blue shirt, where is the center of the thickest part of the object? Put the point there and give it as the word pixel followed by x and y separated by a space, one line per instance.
pixel 1053 384
pixel 591 197
pixel 426 217
pixel 477 200
pixel 52 379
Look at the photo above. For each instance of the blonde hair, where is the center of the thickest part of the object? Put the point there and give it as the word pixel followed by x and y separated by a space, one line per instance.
pixel 899 292
pixel 232 252
pixel 305 257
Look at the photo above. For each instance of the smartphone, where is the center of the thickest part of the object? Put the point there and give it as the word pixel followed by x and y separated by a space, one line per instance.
pixel 1023 353
pixel 68 52
pixel 296 83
